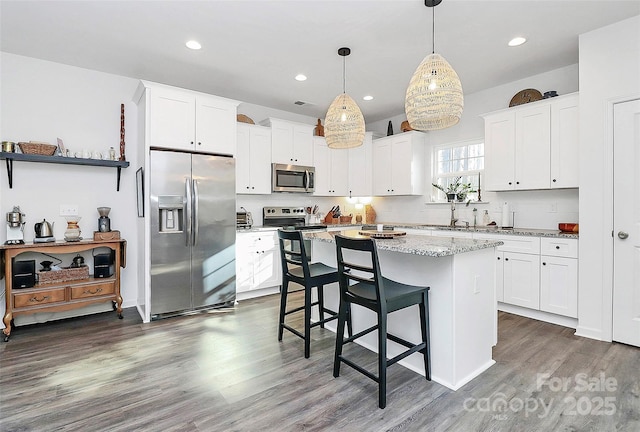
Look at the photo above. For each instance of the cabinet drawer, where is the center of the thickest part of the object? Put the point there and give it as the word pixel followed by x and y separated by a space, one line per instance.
pixel 94 290
pixel 38 298
pixel 513 243
pixel 559 247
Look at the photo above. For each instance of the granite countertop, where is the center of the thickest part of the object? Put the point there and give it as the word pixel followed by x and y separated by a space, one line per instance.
pixel 256 228
pixel 532 232
pixel 413 244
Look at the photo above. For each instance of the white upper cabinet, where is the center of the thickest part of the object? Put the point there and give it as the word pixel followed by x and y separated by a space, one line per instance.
pixel 360 168
pixel 215 125
pixel 253 160
pixel 398 164
pixel 532 146
pixel 332 169
pixel 291 142
pixel 186 120
pixel 564 142
pixel 533 151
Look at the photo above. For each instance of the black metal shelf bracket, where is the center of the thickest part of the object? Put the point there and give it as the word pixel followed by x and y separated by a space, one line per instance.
pixel 10 157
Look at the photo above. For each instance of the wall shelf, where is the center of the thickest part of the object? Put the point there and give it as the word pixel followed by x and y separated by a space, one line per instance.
pixel 10 157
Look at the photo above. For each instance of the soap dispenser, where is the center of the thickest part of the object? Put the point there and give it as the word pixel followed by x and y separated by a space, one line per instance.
pixel 485 218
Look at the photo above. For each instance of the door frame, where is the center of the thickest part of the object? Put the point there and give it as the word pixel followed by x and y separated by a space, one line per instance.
pixel 608 216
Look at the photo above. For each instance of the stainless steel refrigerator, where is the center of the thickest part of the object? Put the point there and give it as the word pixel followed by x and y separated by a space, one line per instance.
pixel 193 231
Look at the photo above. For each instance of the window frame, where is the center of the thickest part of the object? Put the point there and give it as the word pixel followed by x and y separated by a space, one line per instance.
pixel 439 196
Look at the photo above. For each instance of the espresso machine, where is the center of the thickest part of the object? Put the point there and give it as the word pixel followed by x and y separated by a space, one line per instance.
pixel 15 226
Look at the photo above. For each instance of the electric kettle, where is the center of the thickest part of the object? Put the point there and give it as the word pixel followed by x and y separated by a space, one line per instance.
pixel 44 229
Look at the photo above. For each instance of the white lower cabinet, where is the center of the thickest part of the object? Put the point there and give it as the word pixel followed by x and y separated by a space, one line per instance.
pixel 559 286
pixel 521 279
pixel 537 273
pixel 559 277
pixel 257 261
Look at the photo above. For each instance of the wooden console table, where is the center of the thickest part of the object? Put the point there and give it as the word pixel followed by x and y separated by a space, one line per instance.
pixel 60 296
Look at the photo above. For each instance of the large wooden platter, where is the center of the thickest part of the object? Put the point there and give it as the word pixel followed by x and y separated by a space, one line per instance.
pixel 386 234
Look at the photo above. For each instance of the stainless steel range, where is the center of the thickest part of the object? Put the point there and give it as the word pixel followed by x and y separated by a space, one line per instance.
pixel 292 218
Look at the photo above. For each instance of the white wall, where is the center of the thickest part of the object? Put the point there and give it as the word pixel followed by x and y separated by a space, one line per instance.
pixel 533 209
pixel 609 71
pixel 42 101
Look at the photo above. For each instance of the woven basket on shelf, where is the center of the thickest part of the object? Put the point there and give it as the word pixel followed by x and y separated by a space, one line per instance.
pixel 63 275
pixel 37 148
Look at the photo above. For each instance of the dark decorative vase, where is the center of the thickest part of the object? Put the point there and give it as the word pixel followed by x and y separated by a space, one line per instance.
pixel 390 129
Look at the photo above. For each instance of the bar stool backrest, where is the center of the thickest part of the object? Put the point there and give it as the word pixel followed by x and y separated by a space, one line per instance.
pixel 365 274
pixel 292 252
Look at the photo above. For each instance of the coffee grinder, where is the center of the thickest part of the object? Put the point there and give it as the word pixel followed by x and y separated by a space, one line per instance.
pixel 104 223
pixel 15 226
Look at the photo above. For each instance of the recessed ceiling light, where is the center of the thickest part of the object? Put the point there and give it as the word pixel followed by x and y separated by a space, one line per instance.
pixel 517 41
pixel 368 98
pixel 301 77
pixel 194 45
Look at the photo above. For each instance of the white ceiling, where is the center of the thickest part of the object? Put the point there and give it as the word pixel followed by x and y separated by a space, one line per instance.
pixel 251 50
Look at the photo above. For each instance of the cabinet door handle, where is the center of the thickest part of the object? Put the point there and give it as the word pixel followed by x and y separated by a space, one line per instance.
pixel 88 291
pixel 199 143
pixel 510 183
pixel 517 183
pixel 35 299
pixel 557 247
pixel 191 142
pixel 554 180
pixel 498 258
pixel 506 259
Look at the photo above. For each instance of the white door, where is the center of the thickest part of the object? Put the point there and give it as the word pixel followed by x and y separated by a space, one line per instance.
pixel 626 223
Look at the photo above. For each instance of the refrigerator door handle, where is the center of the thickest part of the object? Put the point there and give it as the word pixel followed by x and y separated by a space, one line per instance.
pixel 188 217
pixel 196 199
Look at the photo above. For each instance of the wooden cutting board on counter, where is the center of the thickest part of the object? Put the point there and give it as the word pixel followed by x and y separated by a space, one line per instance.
pixel 386 234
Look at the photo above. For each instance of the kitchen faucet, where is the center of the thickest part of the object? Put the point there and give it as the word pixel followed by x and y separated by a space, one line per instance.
pixel 453 214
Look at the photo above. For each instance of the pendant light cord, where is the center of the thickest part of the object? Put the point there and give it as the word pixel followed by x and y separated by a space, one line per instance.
pixel 433 29
pixel 344 74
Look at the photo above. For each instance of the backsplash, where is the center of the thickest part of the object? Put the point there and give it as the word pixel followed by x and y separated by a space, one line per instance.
pixel 532 209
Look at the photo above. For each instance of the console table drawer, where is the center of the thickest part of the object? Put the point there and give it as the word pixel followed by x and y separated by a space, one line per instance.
pixel 94 290
pixel 38 298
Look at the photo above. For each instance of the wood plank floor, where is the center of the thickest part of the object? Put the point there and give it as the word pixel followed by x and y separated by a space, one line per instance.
pixel 226 371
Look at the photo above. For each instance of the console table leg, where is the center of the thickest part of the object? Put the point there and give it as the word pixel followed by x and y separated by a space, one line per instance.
pixel 8 317
pixel 118 306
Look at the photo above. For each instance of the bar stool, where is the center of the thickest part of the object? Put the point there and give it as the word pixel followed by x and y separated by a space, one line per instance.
pixel 382 296
pixel 296 268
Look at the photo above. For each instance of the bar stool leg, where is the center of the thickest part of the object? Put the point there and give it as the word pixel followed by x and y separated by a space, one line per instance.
pixel 424 326
pixel 342 317
pixel 283 307
pixel 382 359
pixel 320 289
pixel 307 321
pixel 349 322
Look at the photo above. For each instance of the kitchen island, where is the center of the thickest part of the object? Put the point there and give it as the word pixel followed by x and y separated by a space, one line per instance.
pixel 462 301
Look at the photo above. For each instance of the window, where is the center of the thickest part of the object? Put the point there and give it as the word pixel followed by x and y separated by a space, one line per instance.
pixel 463 160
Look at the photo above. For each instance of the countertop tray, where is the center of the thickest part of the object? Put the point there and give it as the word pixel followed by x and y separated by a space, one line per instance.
pixel 386 234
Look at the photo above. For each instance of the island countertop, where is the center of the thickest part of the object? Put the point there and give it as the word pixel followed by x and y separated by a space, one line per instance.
pixel 413 244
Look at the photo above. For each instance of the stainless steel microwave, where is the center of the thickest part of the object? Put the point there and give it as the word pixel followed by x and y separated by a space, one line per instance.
pixel 292 178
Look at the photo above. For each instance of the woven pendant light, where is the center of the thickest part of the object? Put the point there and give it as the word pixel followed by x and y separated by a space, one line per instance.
pixel 344 123
pixel 434 98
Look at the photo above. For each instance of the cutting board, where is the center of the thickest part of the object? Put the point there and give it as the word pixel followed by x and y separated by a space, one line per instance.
pixel 382 234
